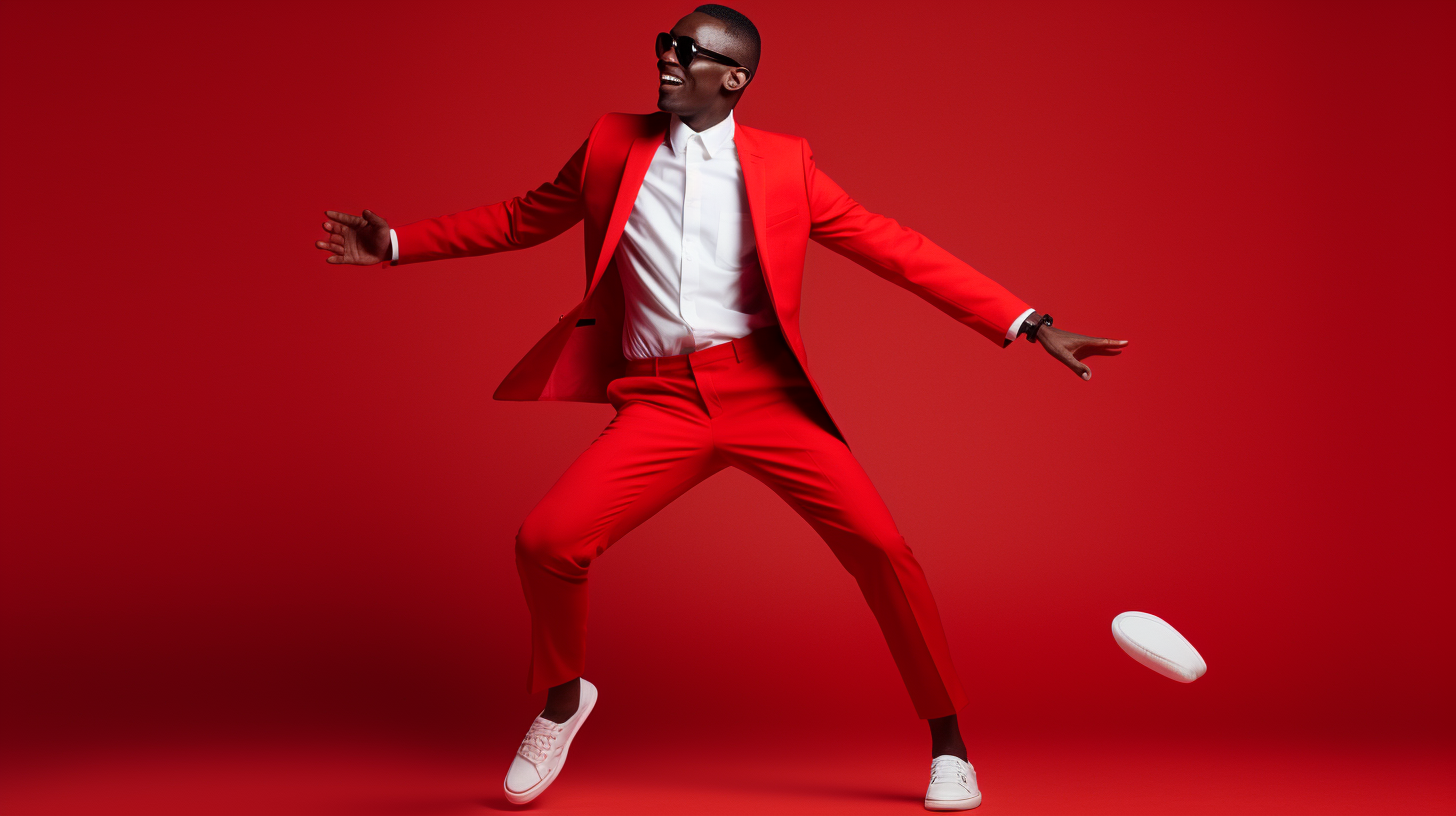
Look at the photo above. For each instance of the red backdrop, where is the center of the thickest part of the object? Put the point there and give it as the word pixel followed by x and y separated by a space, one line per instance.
pixel 250 495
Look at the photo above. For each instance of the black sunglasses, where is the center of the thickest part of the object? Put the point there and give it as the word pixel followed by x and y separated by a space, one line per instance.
pixel 687 49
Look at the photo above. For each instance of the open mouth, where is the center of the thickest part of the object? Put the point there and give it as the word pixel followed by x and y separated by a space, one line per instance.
pixel 669 80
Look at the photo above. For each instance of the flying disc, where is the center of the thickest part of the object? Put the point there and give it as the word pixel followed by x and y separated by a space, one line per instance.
pixel 1151 641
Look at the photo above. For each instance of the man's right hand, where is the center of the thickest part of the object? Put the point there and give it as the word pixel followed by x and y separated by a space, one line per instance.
pixel 356 240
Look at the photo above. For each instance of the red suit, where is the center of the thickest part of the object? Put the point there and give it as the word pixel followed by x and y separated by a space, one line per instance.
pixel 751 403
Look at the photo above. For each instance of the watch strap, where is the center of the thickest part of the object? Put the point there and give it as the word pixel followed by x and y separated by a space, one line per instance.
pixel 1031 328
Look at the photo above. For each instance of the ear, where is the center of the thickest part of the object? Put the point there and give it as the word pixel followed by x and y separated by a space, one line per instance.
pixel 736 79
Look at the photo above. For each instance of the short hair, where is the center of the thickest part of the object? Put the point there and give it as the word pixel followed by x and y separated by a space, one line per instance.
pixel 741 29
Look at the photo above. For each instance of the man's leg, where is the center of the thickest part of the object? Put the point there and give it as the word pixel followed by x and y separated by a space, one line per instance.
pixel 656 448
pixel 816 474
pixel 819 477
pixel 769 424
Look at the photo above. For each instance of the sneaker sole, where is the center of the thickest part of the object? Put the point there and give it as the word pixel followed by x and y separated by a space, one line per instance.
pixel 522 797
pixel 953 804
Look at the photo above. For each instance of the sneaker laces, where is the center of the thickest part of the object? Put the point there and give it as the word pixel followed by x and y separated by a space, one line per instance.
pixel 537 744
pixel 948 769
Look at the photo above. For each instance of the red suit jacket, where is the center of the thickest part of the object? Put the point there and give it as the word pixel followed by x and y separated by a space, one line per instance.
pixel 789 202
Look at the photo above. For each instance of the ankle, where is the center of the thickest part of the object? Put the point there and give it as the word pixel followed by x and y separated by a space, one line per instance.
pixel 945 738
pixel 562 701
pixel 956 751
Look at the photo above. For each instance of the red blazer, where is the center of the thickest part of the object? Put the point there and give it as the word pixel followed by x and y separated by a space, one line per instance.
pixel 789 202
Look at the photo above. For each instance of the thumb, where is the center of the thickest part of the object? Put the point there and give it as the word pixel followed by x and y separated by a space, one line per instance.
pixel 1078 366
pixel 373 217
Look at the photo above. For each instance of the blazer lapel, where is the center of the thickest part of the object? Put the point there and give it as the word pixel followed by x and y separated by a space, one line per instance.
pixel 639 158
pixel 750 159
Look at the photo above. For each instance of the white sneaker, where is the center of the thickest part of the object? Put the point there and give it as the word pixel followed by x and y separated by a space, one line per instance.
pixel 543 751
pixel 952 784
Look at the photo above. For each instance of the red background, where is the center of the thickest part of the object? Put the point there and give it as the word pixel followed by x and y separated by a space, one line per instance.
pixel 259 510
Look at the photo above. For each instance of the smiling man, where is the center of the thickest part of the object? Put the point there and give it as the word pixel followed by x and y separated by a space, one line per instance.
pixel 696 228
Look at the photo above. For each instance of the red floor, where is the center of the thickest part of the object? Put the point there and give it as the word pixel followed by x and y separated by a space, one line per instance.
pixel 789 772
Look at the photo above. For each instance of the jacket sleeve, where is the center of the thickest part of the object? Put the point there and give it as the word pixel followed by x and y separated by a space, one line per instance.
pixel 523 221
pixel 906 258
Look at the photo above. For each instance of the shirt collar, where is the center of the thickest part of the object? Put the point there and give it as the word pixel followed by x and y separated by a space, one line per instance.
pixel 714 138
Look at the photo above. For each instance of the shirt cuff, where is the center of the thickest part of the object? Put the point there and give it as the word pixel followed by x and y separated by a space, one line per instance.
pixel 394 247
pixel 1010 333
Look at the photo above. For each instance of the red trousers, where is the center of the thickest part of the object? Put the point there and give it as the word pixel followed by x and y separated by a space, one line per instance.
pixel 680 419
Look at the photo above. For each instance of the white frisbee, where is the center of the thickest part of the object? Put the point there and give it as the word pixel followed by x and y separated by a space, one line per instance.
pixel 1149 640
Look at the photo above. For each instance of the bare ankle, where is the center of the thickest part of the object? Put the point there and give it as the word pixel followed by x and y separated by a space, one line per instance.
pixel 562 701
pixel 945 738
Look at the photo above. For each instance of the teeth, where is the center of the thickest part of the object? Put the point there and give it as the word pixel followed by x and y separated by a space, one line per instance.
pixel 670 78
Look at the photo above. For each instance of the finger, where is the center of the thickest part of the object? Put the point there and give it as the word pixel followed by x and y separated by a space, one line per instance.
pixel 333 246
pixel 345 218
pixel 1092 351
pixel 1102 341
pixel 374 218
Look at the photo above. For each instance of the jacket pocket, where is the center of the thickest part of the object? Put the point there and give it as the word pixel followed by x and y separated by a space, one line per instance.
pixel 780 217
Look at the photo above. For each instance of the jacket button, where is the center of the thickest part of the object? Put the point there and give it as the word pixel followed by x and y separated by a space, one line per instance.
pixel 561 317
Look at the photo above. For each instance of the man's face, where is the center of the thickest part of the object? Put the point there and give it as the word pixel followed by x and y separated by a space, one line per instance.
pixel 704 82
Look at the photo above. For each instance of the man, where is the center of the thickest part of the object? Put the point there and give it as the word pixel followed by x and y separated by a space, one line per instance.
pixel 695 231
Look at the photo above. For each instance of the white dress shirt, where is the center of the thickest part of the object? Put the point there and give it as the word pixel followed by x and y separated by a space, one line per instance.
pixel 687 257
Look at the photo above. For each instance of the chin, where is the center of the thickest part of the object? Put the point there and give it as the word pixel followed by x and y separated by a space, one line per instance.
pixel 672 103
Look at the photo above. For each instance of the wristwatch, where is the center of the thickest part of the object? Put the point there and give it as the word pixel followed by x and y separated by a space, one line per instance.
pixel 1030 329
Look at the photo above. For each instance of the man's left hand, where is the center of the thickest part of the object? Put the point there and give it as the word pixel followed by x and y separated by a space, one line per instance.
pixel 1071 348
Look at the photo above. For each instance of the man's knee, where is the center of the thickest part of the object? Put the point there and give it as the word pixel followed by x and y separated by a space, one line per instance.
pixel 545 542
pixel 869 548
pixel 893 545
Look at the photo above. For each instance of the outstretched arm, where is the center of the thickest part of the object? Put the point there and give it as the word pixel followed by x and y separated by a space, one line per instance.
pixel 521 222
pixel 910 260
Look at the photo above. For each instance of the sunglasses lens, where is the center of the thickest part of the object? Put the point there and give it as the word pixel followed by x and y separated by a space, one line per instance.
pixel 685 49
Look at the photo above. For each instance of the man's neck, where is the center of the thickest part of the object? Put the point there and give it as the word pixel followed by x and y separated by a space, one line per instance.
pixel 703 120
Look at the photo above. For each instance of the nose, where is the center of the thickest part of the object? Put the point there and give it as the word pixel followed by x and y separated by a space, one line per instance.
pixel 668 54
